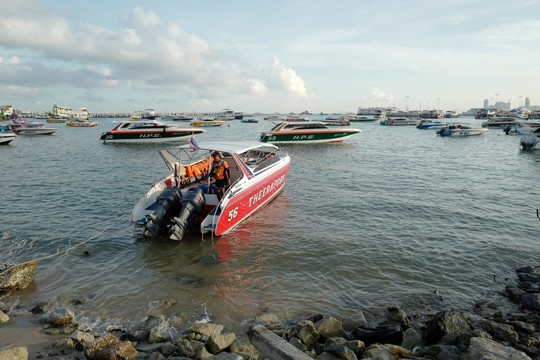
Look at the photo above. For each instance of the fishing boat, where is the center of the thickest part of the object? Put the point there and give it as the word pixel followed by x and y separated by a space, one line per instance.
pixel 182 118
pixel 81 123
pixel 500 121
pixel 399 121
pixel 531 142
pixel 249 121
pixel 210 122
pixel 6 135
pixel 186 200
pixel 431 124
pixel 304 132
pixel 460 130
pixel 147 131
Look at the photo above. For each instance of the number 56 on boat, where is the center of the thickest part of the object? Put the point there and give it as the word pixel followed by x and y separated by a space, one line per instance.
pixel 186 200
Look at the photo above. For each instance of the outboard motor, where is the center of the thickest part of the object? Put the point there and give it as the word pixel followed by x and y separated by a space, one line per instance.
pixel 168 207
pixel 192 204
pixel 528 142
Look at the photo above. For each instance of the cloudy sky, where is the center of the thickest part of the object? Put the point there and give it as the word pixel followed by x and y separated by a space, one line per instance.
pixel 268 56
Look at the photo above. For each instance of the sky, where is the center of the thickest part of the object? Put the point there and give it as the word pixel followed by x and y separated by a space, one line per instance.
pixel 329 56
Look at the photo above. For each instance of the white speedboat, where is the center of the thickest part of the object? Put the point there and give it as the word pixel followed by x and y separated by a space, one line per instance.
pixel 399 121
pixel 186 200
pixel 306 132
pixel 460 130
pixel 147 131
pixel 531 142
pixel 431 124
pixel 27 127
pixel 6 135
pixel 500 121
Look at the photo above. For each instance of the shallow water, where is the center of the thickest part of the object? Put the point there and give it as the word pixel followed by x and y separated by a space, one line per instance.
pixel 393 216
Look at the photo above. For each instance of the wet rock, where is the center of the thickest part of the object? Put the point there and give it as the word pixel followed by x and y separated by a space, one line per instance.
pixel 412 338
pixel 385 352
pixel 481 348
pixel 167 348
pixel 381 335
pixel 244 348
pixel 397 316
pixel 60 347
pixel 446 322
pixel 3 318
pixel 439 351
pixel 272 346
pixel 329 327
pixel 14 353
pixel 82 337
pixel 305 331
pixel 218 343
pixel 16 277
pixel 40 308
pixel 227 356
pixel 531 301
pixel 501 332
pixel 526 270
pixel 207 329
pixel 58 317
pixel 110 347
pixel 189 279
pixel 340 351
pixel 185 348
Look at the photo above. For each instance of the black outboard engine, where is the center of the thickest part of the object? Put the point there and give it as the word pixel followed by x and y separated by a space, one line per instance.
pixel 168 207
pixel 192 204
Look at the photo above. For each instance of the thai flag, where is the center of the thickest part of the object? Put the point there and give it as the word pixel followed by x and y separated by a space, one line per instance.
pixel 193 144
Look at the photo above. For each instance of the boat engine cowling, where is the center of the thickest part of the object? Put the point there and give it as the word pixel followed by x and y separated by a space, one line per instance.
pixel 169 202
pixel 192 204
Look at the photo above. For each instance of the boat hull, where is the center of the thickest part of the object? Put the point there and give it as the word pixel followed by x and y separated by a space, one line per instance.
pixel 6 139
pixel 253 198
pixel 35 131
pixel 147 136
pixel 463 132
pixel 82 124
pixel 309 137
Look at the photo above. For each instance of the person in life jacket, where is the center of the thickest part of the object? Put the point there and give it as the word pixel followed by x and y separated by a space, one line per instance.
pixel 220 170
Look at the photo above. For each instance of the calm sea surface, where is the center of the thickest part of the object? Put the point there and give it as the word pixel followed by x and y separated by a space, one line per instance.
pixel 393 216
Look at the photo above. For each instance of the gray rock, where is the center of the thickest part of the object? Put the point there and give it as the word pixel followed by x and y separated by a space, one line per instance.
pixel 306 332
pixel 207 329
pixel 272 346
pixel 58 317
pixel 340 351
pixel 227 356
pixel 385 352
pixel 14 353
pixel 446 322
pixel 397 316
pixel 81 336
pixel 16 277
pixel 412 338
pixel 501 332
pixel 60 347
pixel 3 317
pixel 329 327
pixel 244 348
pixel 481 348
pixel 531 301
pixel 218 343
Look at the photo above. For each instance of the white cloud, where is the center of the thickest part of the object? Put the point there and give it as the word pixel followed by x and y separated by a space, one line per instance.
pixel 286 78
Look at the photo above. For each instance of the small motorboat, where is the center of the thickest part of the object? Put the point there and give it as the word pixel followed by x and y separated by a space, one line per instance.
pixel 6 135
pixel 27 127
pixel 249 121
pixel 81 123
pixel 500 121
pixel 399 121
pixel 210 122
pixel 361 118
pixel 307 132
pixel 147 131
pixel 531 142
pixel 460 130
pixel 186 200
pixel 431 124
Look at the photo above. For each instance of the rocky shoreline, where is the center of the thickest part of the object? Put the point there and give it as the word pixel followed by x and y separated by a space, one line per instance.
pixel 484 333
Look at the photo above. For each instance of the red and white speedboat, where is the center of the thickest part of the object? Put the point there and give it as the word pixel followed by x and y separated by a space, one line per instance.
pixel 27 127
pixel 185 201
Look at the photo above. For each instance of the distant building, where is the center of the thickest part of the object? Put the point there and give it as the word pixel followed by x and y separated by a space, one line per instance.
pixel 527 103
pixel 486 103
pixel 6 112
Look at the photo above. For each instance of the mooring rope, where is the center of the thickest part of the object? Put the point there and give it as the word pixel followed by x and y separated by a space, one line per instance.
pixel 72 247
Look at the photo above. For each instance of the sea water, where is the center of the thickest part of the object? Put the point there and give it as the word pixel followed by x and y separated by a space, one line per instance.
pixel 394 216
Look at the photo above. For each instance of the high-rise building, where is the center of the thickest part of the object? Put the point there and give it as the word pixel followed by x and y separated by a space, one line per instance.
pixel 527 102
pixel 486 103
